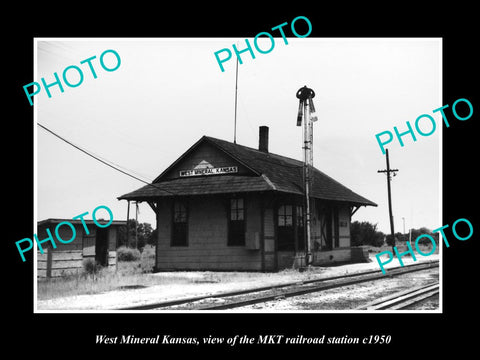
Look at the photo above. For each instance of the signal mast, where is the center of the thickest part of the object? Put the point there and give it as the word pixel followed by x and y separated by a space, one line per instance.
pixel 306 111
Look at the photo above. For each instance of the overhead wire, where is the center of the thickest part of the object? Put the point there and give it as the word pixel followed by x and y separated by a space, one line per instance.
pixel 96 157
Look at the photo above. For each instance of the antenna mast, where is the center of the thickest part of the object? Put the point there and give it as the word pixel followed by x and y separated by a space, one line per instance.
pixel 235 121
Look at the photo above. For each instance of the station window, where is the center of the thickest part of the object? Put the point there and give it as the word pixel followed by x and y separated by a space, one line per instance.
pixel 285 228
pixel 336 227
pixel 179 226
pixel 299 221
pixel 291 227
pixel 236 223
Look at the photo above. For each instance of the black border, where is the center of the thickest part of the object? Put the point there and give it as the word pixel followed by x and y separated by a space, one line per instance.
pixel 411 333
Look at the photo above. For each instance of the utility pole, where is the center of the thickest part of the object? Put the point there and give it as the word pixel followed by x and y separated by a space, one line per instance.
pixel 136 225
pixel 388 171
pixel 128 227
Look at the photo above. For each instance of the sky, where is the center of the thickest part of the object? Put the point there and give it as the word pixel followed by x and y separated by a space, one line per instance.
pixel 169 92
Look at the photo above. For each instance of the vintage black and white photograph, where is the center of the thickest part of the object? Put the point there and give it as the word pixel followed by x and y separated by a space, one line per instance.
pixel 269 175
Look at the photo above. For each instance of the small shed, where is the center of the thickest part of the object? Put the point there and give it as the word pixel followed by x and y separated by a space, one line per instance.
pixel 99 244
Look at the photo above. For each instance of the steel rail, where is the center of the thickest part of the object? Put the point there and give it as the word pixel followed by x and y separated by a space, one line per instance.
pixel 403 299
pixel 358 278
pixel 302 290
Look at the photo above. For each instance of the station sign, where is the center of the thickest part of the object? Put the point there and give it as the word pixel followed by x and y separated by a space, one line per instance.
pixel 209 171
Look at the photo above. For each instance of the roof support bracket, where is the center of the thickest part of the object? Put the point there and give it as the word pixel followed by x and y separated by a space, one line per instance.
pixel 354 209
pixel 153 206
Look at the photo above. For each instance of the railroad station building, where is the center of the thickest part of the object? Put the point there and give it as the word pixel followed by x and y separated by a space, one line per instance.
pixel 224 206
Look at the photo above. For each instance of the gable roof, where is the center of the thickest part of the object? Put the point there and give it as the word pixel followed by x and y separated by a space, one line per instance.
pixel 270 172
pixel 191 150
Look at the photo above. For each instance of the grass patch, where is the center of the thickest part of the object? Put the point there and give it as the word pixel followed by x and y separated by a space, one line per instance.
pixel 128 254
pixel 129 273
pixel 135 274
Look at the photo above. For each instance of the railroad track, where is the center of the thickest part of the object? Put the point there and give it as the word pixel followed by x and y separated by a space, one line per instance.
pixel 403 299
pixel 240 298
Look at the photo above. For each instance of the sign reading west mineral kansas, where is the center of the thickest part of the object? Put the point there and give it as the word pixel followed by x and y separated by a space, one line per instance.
pixel 209 171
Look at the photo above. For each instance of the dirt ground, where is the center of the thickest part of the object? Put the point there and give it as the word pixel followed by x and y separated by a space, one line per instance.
pixel 207 283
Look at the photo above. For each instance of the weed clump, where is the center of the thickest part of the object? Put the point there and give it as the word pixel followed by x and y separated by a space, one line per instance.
pixel 90 266
pixel 128 254
pixel 147 260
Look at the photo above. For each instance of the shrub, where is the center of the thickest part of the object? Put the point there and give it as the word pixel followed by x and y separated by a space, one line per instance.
pixel 391 240
pixel 90 266
pixel 365 233
pixel 127 254
pixel 147 261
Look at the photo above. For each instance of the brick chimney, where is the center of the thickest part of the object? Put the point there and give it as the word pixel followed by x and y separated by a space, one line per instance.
pixel 263 139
